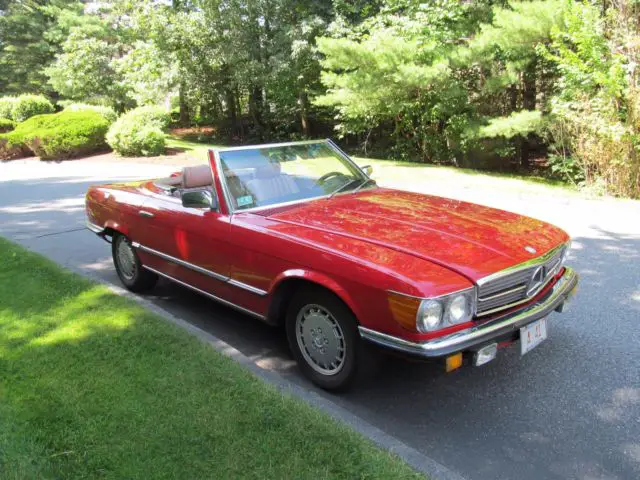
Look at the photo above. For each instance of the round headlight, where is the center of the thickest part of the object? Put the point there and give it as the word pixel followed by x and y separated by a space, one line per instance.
pixel 458 309
pixel 430 316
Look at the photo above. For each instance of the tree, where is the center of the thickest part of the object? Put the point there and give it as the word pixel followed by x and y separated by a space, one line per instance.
pixel 30 36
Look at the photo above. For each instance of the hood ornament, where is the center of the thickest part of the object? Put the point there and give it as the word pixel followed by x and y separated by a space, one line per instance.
pixel 530 249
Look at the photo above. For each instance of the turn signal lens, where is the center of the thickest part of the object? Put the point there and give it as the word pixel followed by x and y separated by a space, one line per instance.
pixel 404 309
pixel 454 362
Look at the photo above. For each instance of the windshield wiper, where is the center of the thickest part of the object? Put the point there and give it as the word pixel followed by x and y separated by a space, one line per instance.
pixel 342 187
pixel 362 185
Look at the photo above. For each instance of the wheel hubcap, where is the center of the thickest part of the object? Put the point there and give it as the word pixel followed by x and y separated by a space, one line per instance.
pixel 320 339
pixel 126 259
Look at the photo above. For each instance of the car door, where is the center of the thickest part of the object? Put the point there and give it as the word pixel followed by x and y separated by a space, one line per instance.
pixel 186 244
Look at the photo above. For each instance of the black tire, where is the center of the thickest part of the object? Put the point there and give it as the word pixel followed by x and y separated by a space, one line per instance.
pixel 359 359
pixel 132 276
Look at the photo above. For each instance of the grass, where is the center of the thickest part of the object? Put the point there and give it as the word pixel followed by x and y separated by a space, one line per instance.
pixel 419 176
pixel 94 386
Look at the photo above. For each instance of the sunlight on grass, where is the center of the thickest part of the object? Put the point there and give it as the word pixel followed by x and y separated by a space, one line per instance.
pixel 93 385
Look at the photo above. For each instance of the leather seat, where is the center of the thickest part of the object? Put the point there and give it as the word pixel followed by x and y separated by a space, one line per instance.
pixel 271 183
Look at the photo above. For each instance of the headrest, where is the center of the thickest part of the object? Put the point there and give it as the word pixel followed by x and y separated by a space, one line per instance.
pixel 197 176
pixel 269 170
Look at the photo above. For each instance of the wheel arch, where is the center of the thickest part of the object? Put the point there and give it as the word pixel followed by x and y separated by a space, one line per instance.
pixel 286 284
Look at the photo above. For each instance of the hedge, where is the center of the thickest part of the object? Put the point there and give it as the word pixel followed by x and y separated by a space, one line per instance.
pixel 56 136
pixel 107 112
pixel 26 106
pixel 139 132
pixel 6 106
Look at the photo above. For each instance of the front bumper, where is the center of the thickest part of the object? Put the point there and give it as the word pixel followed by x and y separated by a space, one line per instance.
pixel 493 330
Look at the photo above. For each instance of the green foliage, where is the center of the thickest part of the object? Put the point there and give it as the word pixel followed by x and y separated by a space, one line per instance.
pixel 395 70
pixel 595 112
pixel 6 125
pixel 518 123
pixel 26 106
pixel 30 36
pixel 148 74
pixel 83 70
pixel 483 83
pixel 6 106
pixel 139 132
pixel 58 136
pixel 565 168
pixel 107 112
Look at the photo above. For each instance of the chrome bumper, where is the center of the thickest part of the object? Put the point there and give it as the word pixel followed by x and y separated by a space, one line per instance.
pixel 94 228
pixel 476 336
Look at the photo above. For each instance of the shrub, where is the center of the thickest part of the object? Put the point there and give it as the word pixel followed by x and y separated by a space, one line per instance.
pixel 57 136
pixel 107 112
pixel 139 132
pixel 149 115
pixel 6 125
pixel 26 106
pixel 6 105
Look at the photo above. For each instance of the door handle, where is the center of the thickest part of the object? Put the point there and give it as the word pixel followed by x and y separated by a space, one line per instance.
pixel 144 213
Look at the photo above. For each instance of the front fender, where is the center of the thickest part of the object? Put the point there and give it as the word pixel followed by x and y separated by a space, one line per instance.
pixel 319 279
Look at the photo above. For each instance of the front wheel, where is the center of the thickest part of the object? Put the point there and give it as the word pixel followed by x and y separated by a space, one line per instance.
pixel 323 337
pixel 129 267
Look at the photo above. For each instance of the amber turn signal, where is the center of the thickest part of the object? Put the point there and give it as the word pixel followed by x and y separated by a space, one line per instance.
pixel 454 362
pixel 404 309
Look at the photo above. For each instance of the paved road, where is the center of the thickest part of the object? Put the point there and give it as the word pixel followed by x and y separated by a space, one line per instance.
pixel 569 409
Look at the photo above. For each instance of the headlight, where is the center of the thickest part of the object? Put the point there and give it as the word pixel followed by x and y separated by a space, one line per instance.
pixel 445 311
pixel 429 315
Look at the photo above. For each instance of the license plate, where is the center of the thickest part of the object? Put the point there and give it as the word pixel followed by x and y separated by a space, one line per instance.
pixel 533 335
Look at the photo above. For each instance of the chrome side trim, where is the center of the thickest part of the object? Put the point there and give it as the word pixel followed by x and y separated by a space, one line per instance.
pixel 465 339
pixel 257 291
pixel 521 266
pixel 206 294
pixel 94 228
pixel 182 263
pixel 198 269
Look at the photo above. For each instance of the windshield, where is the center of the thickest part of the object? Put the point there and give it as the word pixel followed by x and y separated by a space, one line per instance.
pixel 258 177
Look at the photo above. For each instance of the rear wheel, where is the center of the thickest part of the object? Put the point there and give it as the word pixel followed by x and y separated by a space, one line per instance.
pixel 323 337
pixel 129 267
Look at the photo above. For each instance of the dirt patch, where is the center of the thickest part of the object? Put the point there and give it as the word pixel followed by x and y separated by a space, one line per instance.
pixel 193 132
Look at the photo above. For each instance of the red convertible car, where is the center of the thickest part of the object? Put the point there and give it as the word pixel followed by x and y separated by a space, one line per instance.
pixel 296 234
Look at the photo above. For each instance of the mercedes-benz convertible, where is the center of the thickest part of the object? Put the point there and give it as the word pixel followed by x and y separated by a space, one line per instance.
pixel 298 235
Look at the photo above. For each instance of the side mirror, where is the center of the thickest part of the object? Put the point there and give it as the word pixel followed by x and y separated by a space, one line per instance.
pixel 368 169
pixel 199 199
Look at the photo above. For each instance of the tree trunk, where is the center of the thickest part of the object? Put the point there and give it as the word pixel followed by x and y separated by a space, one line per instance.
pixel 255 110
pixel 304 113
pixel 184 108
pixel 528 103
pixel 231 112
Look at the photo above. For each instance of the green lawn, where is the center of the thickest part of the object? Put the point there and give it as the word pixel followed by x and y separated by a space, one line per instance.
pixel 418 176
pixel 92 385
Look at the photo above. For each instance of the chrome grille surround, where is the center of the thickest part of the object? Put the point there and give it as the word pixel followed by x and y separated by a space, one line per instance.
pixel 514 285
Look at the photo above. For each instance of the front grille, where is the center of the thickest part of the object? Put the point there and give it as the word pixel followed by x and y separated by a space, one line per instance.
pixel 516 285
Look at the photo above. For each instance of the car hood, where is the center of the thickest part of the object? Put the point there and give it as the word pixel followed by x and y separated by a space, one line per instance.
pixel 470 239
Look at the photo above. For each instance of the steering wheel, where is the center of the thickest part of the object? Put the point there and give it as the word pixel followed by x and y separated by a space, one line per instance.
pixel 327 176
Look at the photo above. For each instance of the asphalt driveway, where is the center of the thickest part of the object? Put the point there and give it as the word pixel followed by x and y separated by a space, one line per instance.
pixel 568 409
